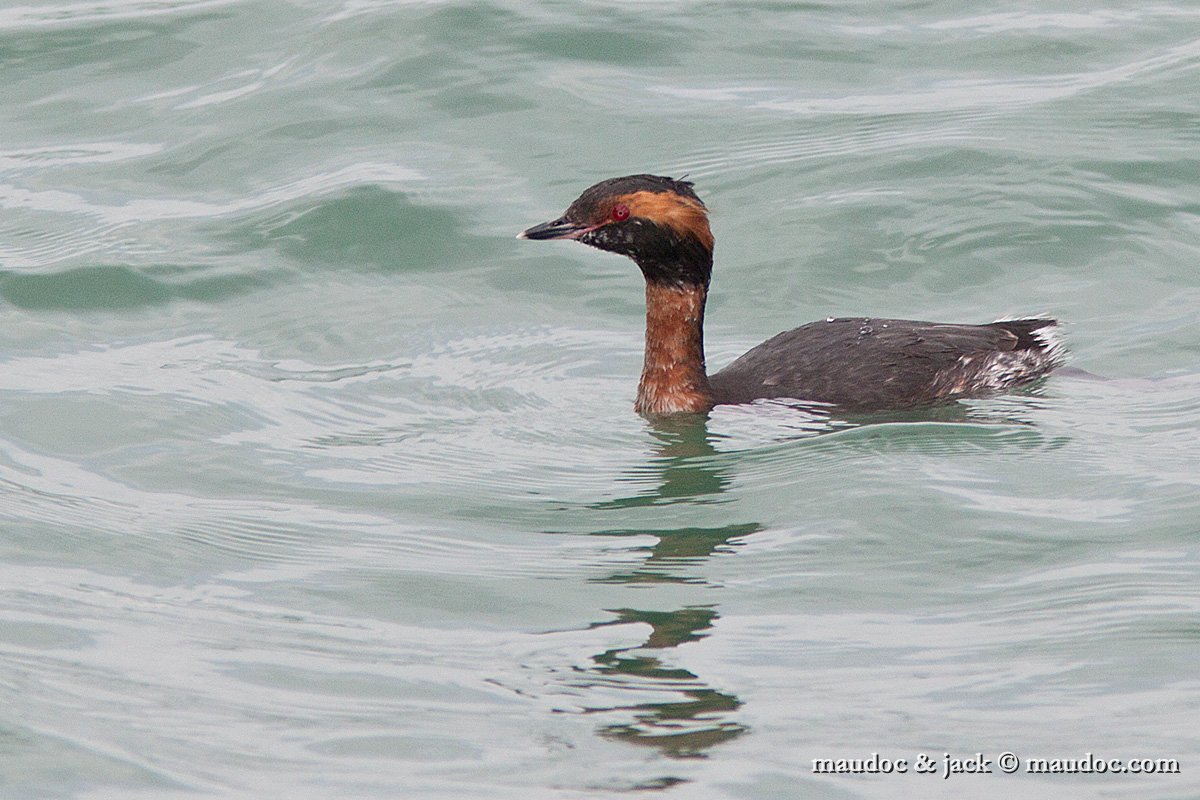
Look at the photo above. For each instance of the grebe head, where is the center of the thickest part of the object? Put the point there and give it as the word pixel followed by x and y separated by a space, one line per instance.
pixel 658 222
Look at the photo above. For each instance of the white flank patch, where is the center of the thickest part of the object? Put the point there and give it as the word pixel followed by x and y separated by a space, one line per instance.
pixel 1052 341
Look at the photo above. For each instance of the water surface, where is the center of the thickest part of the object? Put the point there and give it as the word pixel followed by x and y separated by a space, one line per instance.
pixel 315 482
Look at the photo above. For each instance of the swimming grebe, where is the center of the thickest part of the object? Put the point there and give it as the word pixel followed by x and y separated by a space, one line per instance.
pixel 860 364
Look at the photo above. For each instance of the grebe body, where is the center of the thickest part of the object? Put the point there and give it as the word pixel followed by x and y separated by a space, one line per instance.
pixel 859 364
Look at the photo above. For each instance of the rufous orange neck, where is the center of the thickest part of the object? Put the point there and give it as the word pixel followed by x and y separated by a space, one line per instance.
pixel 673 377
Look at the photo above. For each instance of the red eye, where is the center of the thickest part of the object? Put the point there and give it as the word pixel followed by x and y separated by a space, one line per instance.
pixel 620 212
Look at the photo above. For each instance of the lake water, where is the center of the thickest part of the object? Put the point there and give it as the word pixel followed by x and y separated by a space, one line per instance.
pixel 315 482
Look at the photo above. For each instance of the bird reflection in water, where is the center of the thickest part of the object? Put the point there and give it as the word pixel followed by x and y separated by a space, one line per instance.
pixel 683 728
pixel 695 716
pixel 686 468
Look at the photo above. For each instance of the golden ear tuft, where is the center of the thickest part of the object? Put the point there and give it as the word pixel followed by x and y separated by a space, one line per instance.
pixel 686 216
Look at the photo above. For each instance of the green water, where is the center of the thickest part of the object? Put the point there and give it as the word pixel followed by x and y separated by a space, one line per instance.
pixel 315 482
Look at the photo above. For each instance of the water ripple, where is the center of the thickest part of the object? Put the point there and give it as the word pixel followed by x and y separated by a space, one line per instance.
pixel 78 14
